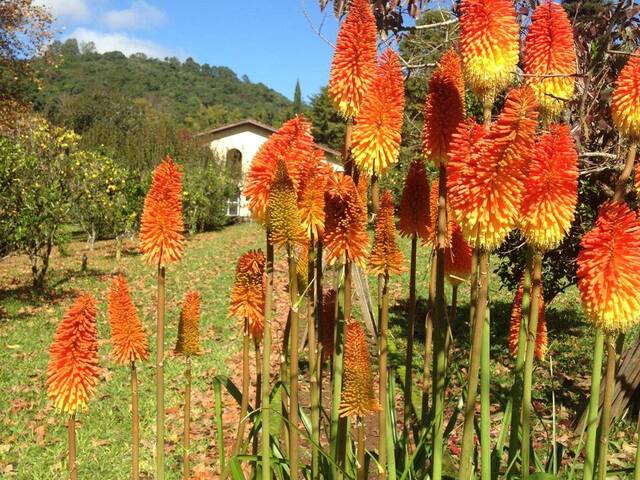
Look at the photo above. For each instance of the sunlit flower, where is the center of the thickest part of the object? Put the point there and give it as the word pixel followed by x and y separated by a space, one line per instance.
pixel 443 107
pixel 540 349
pixel 358 396
pixel 609 269
pixel 625 101
pixel 549 50
pixel 161 225
pixel 283 215
pixel 346 221
pixel 457 258
pixel 375 142
pixel 72 373
pixel 486 171
pixel 247 293
pixel 385 256
pixel 327 323
pixel 128 340
pixel 311 188
pixel 354 60
pixel 188 329
pixel 292 143
pixel 415 214
pixel 489 44
pixel 551 189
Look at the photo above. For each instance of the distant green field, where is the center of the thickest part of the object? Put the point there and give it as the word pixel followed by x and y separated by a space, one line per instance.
pixel 33 436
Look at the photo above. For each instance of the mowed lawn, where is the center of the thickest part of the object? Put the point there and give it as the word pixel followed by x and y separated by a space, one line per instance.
pixel 33 435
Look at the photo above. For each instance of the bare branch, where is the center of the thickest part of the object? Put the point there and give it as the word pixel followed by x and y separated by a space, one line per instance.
pixel 436 25
pixel 317 31
pixel 612 156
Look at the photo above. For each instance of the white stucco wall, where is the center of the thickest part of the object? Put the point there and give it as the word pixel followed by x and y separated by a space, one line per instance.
pixel 247 139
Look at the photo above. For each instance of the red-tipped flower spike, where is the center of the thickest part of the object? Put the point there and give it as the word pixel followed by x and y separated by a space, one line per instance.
pixel 540 349
pixel 489 44
pixel 161 225
pixel 375 143
pixel 443 108
pixel 188 329
pixel 385 257
pixel 625 102
pixel 311 188
pixel 549 50
pixel 346 221
pixel 292 143
pixel 354 61
pixel 551 189
pixel 128 340
pixel 72 374
pixel 284 217
pixel 609 269
pixel 358 396
pixel 457 258
pixel 415 214
pixel 328 322
pixel 247 294
pixel 486 171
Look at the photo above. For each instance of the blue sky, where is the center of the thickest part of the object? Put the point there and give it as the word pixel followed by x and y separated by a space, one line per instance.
pixel 271 41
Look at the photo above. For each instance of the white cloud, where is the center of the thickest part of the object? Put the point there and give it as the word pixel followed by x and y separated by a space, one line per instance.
pixel 108 42
pixel 141 15
pixel 72 10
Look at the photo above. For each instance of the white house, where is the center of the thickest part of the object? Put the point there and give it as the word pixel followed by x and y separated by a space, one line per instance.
pixel 237 143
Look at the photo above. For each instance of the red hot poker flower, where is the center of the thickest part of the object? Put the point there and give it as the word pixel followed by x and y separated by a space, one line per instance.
pixel 128 340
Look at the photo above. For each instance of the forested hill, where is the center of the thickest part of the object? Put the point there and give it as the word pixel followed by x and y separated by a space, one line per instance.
pixel 196 96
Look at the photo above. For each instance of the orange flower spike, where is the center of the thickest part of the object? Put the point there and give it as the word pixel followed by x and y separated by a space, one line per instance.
pixel 72 373
pixel 247 293
pixel 609 269
pixel 311 195
pixel 161 225
pixel 457 258
pixel 354 61
pixel 549 50
pixel 444 108
pixel 188 329
pixel 486 171
pixel 385 257
pixel 292 143
pixel 328 322
pixel 375 141
pixel 625 102
pixel 415 213
pixel 358 396
pixel 551 189
pixel 540 349
pixel 489 45
pixel 128 340
pixel 283 214
pixel 302 265
pixel 346 221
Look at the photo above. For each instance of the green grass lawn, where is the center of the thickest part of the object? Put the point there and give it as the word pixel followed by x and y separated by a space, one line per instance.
pixel 33 436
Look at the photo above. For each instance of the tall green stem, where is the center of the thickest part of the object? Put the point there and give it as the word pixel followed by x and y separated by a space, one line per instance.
pixel 474 365
pixel 383 352
pixel 160 375
pixel 440 330
pixel 485 400
pixel 428 340
pixel 338 425
pixel 312 327
pixel 135 425
pixel 71 431
pixel 516 390
pixel 594 405
pixel 186 438
pixel 244 402
pixel 408 377
pixel 605 419
pixel 361 472
pixel 532 329
pixel 293 368
pixel 266 366
pixel 636 475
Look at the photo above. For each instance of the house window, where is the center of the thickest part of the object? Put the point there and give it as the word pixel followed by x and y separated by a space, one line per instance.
pixel 233 164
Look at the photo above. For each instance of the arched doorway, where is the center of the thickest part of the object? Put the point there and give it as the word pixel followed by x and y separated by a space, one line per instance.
pixel 233 167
